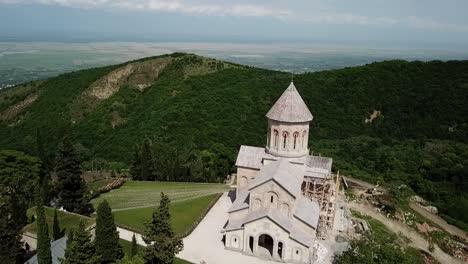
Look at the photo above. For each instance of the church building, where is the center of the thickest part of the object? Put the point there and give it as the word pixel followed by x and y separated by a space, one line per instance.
pixel 277 213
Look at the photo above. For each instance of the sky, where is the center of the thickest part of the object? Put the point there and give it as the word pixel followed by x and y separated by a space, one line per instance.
pixel 391 22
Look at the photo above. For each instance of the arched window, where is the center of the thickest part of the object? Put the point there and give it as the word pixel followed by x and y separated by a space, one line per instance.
pixel 272 198
pixel 275 133
pixel 303 138
pixel 285 137
pixel 295 135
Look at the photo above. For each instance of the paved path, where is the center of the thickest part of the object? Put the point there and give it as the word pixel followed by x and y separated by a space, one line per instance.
pixel 417 240
pixel 204 244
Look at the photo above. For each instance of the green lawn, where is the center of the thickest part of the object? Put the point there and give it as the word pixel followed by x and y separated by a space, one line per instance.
pixel 127 245
pixel 66 220
pixel 139 194
pixel 184 214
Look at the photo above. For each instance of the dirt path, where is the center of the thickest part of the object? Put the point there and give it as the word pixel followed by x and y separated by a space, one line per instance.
pixel 417 240
pixel 453 230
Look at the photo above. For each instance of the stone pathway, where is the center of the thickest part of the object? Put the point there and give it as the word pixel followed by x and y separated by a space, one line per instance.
pixel 204 245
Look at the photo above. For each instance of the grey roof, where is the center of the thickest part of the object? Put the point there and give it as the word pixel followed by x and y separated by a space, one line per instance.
pixel 57 249
pixel 287 175
pixel 280 219
pixel 241 202
pixel 290 107
pixel 250 157
pixel 317 166
pixel 307 211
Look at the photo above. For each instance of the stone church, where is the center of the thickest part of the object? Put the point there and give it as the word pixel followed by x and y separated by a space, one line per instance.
pixel 275 214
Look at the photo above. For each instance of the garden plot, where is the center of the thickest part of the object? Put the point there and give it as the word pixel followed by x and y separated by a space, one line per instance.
pixel 138 194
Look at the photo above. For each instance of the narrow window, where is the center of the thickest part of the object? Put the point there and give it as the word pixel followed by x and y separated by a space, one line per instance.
pixel 285 137
pixel 295 139
pixel 276 138
pixel 271 199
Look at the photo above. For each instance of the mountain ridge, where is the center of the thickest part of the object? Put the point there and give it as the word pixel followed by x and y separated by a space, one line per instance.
pixel 419 136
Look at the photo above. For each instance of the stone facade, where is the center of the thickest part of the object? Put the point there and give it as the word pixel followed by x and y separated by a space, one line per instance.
pixel 270 218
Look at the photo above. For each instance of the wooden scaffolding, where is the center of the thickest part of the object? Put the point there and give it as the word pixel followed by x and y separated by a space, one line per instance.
pixel 323 191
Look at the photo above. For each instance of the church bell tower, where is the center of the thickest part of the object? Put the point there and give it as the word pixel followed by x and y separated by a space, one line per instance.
pixel 288 125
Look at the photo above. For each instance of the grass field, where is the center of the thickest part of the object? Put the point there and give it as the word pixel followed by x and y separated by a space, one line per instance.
pixel 139 194
pixel 183 214
pixel 66 220
pixel 133 203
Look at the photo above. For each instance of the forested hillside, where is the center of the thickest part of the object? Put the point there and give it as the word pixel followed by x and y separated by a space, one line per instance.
pixel 396 121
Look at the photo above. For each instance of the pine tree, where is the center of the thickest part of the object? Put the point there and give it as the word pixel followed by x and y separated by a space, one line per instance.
pixel 81 249
pixel 135 166
pixel 43 242
pixel 161 245
pixel 134 249
pixel 70 236
pixel 71 187
pixel 107 236
pixel 147 168
pixel 12 213
pixel 57 233
pixel 45 180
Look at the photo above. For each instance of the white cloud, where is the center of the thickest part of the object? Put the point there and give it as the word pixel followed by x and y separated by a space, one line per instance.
pixel 217 8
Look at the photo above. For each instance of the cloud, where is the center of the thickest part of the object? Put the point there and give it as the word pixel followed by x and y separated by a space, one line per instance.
pixel 217 8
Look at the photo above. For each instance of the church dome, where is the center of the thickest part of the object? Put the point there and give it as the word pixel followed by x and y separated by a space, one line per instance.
pixel 290 107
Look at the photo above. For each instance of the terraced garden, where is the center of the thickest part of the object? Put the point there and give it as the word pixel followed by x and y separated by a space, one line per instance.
pixel 133 203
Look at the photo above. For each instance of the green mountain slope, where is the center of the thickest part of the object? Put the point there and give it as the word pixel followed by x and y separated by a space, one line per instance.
pixel 418 133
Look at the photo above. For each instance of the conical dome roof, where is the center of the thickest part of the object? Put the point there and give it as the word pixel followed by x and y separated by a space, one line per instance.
pixel 290 107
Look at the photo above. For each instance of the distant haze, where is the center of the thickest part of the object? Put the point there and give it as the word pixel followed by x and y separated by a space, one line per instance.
pixel 24 61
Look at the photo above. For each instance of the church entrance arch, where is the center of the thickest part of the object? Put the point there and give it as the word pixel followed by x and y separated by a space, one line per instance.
pixel 265 244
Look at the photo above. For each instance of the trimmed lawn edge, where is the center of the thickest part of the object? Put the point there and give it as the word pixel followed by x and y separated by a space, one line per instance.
pixel 196 222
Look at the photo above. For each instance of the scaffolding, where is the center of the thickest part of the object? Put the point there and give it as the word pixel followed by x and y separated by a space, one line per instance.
pixel 323 191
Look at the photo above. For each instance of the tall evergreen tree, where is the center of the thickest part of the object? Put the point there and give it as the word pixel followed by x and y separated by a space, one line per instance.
pixel 12 211
pixel 81 249
pixel 43 241
pixel 107 236
pixel 57 232
pixel 134 249
pixel 70 187
pixel 147 167
pixel 161 244
pixel 45 180
pixel 135 166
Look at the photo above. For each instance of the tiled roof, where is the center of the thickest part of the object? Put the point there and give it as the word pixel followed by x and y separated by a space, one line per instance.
pixel 241 202
pixel 290 107
pixel 287 175
pixel 307 211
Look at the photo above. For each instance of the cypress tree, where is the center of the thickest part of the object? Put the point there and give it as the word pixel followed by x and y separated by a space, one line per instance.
pixel 135 166
pixel 11 224
pixel 81 250
pixel 43 242
pixel 57 233
pixel 70 187
pixel 134 249
pixel 45 180
pixel 107 236
pixel 147 168
pixel 161 244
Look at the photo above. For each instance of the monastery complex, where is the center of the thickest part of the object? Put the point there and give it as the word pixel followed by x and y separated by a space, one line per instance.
pixel 285 198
